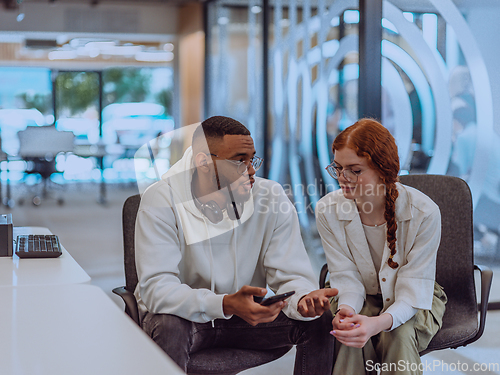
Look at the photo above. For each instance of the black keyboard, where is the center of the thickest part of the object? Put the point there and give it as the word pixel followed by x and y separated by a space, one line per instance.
pixel 38 246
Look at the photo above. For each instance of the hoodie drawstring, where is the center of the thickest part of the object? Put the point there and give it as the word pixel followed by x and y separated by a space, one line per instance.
pixel 235 258
pixel 212 281
pixel 235 236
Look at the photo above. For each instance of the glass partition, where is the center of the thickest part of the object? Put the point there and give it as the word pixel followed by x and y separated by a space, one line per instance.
pixel 137 108
pixel 25 99
pixel 439 85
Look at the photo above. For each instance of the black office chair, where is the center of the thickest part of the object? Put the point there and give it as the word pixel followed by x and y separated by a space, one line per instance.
pixel 39 146
pixel 220 361
pixel 455 262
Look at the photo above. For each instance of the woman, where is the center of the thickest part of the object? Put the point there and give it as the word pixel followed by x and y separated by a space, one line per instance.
pixel 380 239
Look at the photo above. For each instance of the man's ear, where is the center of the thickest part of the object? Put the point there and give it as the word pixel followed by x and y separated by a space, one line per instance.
pixel 202 161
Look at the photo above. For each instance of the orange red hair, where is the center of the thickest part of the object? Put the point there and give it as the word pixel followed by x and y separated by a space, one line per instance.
pixel 371 140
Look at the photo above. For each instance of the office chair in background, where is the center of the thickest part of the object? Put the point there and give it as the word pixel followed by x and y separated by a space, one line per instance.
pixel 455 262
pixel 219 361
pixel 487 219
pixel 38 146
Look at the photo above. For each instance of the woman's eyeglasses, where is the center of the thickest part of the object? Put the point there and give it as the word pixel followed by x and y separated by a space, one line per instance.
pixel 350 175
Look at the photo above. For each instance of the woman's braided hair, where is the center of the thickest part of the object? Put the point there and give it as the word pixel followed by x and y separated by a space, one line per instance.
pixel 371 140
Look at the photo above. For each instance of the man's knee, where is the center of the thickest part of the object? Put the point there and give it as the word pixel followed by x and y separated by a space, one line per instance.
pixel 160 326
pixel 324 322
pixel 171 333
pixel 318 329
pixel 316 347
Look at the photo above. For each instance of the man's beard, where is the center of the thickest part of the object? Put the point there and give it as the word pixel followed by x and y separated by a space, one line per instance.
pixel 230 188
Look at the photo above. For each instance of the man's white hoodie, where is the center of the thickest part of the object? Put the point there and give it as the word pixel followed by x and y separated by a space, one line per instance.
pixel 186 264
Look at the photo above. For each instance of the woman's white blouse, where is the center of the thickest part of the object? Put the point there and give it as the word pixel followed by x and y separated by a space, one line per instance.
pixel 350 262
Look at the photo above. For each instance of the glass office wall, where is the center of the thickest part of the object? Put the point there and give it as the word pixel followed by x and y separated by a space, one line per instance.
pixel 25 100
pixel 77 110
pixel 235 63
pixel 311 84
pixel 314 69
pixel 438 88
pixel 137 107
pixel 111 112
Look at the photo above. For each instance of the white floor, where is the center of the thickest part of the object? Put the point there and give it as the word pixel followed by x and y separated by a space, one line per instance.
pixel 92 234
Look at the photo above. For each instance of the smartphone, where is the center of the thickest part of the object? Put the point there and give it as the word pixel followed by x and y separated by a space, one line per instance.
pixel 276 298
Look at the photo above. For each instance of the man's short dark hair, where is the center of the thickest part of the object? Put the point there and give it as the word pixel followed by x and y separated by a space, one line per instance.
pixel 215 128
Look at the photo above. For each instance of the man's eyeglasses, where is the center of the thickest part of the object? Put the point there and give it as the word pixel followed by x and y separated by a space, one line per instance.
pixel 242 166
pixel 350 175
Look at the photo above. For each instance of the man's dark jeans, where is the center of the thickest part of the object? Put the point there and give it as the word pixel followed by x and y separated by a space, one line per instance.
pixel 179 338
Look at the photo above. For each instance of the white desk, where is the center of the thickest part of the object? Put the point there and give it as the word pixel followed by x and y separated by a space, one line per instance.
pixel 73 330
pixel 44 271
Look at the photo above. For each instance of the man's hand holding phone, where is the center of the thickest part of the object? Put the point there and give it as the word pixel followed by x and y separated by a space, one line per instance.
pixel 277 298
pixel 243 305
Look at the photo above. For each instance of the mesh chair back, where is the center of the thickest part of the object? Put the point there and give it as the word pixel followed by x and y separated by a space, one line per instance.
pixel 455 258
pixel 129 214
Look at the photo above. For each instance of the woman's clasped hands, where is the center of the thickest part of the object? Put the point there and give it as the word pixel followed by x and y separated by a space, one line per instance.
pixel 355 330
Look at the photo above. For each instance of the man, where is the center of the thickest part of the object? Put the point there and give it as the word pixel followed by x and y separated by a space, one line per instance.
pixel 209 237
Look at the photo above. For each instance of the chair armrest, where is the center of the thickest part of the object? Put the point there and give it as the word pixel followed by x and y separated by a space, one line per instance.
pixel 486 279
pixel 322 276
pixel 130 303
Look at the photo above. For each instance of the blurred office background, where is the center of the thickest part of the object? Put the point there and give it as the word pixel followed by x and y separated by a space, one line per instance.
pixel 311 68
pixel 85 84
pixel 119 73
pixel 116 74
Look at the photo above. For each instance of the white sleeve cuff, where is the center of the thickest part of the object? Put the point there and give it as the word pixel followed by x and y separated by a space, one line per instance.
pixel 401 312
pixel 214 307
pixel 352 299
pixel 291 311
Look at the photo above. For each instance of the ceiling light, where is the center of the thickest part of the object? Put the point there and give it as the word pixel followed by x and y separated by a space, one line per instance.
pixel 81 42
pixel 62 55
pixel 351 16
pixel 335 21
pixel 169 47
pixel 62 39
pixel 256 9
pixel 223 21
pixel 122 50
pixel 409 16
pixel 100 45
pixel 154 56
pixel 284 22
pixel 21 14
pixel 90 52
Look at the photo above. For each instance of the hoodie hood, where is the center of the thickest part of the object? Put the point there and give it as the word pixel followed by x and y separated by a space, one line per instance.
pixel 194 223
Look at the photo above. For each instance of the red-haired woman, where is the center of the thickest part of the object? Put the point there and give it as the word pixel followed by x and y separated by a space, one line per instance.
pixel 380 239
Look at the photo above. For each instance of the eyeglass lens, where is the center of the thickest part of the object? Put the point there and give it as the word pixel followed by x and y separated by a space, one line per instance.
pixel 348 174
pixel 256 162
